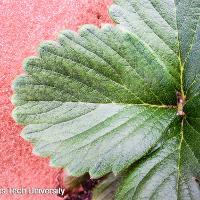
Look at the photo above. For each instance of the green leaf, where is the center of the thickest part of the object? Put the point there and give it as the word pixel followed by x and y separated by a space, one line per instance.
pixel 168 173
pixel 105 135
pixel 104 100
pixel 107 188
pixel 72 184
pixel 96 66
pixel 174 176
pixel 79 102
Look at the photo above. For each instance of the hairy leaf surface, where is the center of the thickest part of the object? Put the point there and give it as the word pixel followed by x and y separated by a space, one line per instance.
pixel 104 100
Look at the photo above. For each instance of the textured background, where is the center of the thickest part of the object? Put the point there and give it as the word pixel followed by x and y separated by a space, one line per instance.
pixel 23 25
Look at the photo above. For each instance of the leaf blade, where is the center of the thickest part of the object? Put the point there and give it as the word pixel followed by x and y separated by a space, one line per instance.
pixel 124 125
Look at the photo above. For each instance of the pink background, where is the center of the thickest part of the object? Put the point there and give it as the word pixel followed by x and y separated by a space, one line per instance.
pixel 23 25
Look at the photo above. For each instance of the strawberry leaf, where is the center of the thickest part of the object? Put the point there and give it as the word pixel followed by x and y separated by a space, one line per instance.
pixel 123 98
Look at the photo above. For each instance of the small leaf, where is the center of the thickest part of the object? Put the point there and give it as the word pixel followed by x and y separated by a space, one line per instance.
pixel 73 184
pixel 107 188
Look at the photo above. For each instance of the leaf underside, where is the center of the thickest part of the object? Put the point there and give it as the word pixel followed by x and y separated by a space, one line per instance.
pixel 103 100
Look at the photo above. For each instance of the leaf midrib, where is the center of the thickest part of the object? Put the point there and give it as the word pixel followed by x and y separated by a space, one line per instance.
pixel 182 94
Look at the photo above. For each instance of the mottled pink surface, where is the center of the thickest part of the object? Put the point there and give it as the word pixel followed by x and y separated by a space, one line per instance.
pixel 23 25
